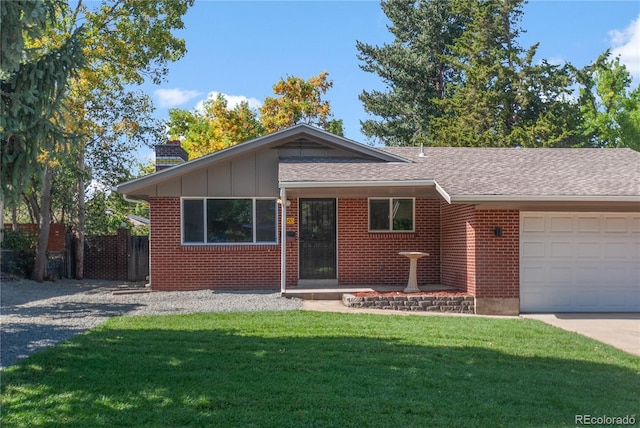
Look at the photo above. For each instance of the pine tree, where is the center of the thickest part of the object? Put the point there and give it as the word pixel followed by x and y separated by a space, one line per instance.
pixel 34 82
pixel 502 98
pixel 412 68
pixel 456 76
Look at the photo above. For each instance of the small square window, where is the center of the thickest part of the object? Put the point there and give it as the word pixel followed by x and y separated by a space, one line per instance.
pixel 391 214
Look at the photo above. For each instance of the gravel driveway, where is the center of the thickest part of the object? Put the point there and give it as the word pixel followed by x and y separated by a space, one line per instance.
pixel 34 316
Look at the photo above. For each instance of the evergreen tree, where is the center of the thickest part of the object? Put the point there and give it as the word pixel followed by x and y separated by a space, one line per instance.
pixel 502 98
pixel 34 77
pixel 412 68
pixel 456 76
pixel 33 83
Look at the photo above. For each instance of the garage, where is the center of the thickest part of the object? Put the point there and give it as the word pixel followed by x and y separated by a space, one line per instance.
pixel 579 262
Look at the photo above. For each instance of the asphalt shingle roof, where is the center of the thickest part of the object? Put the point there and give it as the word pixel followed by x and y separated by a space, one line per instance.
pixel 488 171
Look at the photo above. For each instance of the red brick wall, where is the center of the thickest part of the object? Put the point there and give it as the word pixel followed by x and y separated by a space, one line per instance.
pixel 364 258
pixel 458 246
pixel 106 257
pixel 178 267
pixel 497 258
pixel 476 260
pixel 292 244
pixel 372 258
pixel 464 252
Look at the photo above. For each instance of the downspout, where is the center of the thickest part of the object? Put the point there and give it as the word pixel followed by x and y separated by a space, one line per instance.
pixel 283 241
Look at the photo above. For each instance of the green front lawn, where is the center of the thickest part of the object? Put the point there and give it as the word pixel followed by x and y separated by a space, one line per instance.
pixel 312 369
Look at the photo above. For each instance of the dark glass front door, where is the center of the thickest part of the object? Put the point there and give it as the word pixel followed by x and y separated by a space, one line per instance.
pixel 317 239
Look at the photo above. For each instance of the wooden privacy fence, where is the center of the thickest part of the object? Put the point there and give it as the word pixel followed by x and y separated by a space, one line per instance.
pixel 138 262
pixel 120 257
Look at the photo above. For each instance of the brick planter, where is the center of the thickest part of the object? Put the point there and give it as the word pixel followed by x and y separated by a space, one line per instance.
pixel 426 303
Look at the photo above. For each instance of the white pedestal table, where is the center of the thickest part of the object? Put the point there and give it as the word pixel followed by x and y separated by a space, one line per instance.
pixel 413 256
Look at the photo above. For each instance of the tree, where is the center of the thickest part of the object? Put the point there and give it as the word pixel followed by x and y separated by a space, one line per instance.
pixel 215 128
pixel 32 86
pixel 125 42
pixel 130 41
pixel 457 76
pixel 35 74
pixel 107 211
pixel 610 111
pixel 501 97
pixel 300 101
pixel 412 68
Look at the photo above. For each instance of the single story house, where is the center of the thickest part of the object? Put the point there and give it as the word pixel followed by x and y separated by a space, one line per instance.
pixel 522 230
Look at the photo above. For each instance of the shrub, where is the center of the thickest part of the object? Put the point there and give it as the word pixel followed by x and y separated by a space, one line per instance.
pixel 18 251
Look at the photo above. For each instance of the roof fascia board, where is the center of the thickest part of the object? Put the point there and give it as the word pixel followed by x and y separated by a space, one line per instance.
pixel 540 198
pixel 469 199
pixel 443 193
pixel 342 184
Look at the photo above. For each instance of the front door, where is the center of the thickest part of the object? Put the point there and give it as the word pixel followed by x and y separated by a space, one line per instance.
pixel 317 239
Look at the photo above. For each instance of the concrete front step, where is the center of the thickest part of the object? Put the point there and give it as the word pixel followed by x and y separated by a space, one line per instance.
pixel 322 293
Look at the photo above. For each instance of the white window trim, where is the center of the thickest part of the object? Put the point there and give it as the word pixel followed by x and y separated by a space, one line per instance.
pixel 204 214
pixel 391 230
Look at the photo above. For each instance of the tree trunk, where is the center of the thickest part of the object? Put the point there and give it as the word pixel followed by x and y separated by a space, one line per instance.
pixel 44 224
pixel 14 218
pixel 1 216
pixel 32 206
pixel 79 271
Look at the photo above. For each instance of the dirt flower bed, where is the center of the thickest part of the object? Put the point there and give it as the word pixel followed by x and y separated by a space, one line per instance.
pixel 401 293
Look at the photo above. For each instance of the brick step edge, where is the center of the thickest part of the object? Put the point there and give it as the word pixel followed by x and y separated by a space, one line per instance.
pixel 425 303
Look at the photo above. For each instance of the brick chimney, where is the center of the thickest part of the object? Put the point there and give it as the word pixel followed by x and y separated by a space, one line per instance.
pixel 170 154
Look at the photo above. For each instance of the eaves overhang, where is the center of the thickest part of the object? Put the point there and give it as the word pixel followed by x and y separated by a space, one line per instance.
pixel 462 198
pixel 362 184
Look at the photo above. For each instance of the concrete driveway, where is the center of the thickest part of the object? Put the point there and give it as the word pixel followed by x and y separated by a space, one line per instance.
pixel 621 330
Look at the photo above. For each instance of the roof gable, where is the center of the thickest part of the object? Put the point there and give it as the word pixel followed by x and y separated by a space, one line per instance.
pixel 297 137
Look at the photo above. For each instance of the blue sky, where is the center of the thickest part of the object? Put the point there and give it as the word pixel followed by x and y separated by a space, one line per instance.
pixel 241 49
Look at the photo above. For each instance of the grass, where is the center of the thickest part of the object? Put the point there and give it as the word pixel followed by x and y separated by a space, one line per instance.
pixel 311 369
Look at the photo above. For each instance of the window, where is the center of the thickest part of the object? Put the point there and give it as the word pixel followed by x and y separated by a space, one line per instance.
pixel 229 221
pixel 391 215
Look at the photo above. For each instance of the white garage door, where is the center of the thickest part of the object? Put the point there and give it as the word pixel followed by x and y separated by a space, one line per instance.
pixel 579 262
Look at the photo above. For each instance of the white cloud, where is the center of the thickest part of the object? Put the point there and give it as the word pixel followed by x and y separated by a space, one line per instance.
pixel 626 44
pixel 174 97
pixel 232 101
